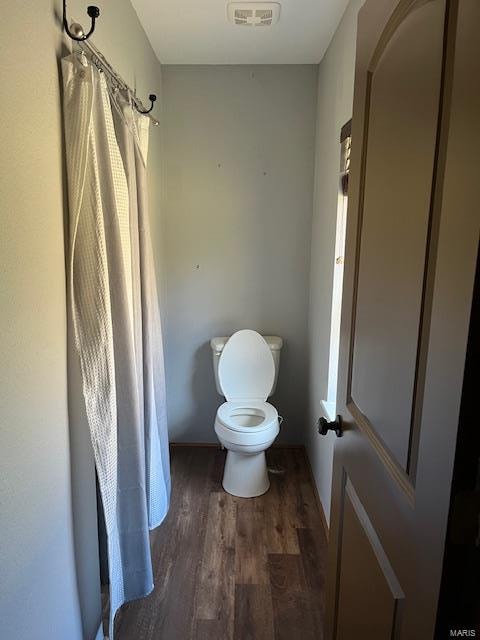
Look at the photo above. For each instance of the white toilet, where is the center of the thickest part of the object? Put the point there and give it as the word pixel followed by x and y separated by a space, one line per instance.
pixel 246 370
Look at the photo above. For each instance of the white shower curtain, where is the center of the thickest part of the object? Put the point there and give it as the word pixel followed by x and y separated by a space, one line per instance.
pixel 116 319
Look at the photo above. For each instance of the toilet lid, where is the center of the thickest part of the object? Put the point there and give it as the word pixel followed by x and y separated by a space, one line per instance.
pixel 246 370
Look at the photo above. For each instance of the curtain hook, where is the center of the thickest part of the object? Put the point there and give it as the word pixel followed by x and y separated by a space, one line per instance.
pixel 77 32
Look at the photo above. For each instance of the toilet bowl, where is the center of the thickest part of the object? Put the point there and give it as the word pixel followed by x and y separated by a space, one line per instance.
pixel 246 425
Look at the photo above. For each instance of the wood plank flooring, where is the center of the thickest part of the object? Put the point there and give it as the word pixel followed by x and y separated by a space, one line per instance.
pixel 228 568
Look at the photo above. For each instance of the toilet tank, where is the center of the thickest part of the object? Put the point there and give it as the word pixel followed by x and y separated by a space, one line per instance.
pixel 274 342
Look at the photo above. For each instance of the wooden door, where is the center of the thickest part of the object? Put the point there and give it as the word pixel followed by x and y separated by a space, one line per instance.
pixel 412 241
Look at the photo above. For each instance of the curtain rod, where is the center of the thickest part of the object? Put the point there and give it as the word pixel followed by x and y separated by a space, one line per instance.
pixel 75 32
pixel 101 62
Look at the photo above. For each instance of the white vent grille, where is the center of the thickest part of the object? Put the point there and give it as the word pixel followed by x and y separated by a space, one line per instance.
pixel 253 14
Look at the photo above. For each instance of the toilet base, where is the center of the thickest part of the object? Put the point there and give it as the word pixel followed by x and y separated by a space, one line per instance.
pixel 245 475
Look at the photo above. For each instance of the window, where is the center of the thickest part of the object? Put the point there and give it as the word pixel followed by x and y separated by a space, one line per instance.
pixel 330 404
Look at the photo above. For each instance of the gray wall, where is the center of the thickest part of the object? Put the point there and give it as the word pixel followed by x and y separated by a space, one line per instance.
pixel 238 185
pixel 41 588
pixel 334 109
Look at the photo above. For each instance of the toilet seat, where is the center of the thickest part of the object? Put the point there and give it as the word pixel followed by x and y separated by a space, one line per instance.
pixel 247 417
pixel 231 431
pixel 246 373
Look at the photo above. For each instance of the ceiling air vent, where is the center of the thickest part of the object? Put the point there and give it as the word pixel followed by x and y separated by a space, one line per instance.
pixel 253 14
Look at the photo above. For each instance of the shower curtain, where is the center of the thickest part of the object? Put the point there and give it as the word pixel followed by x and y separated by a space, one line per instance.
pixel 116 318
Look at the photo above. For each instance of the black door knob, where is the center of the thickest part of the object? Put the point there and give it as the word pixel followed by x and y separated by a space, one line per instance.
pixel 324 426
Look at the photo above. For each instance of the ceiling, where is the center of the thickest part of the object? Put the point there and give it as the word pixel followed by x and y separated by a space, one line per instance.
pixel 197 32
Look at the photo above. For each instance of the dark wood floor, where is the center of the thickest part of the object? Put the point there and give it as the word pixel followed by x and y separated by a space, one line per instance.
pixel 230 568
